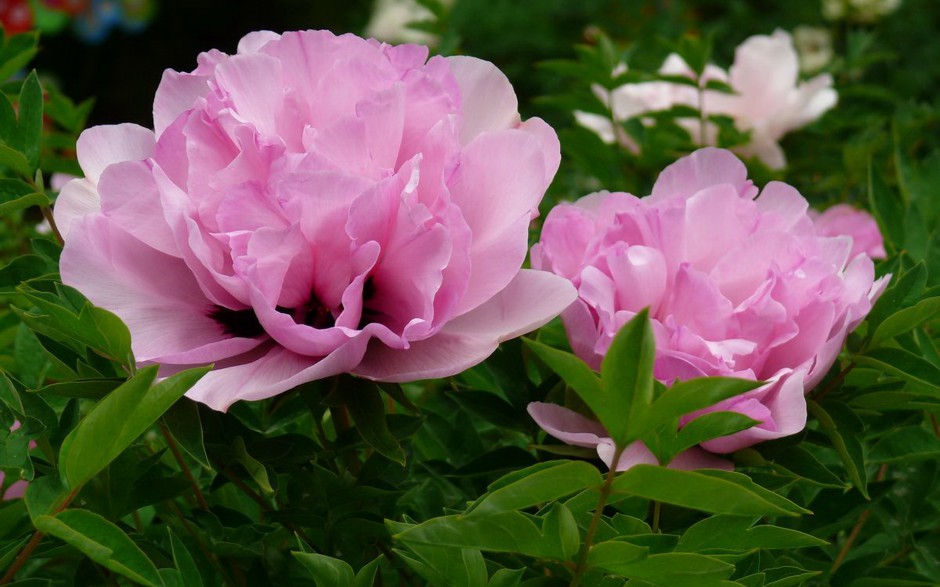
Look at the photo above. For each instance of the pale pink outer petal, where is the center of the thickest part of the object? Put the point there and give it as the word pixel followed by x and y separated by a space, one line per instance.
pixel 255 40
pixel 77 199
pixel 153 293
pixel 703 168
pixel 129 197
pixel 268 371
pixel 567 425
pixel 529 301
pixel 498 186
pixel 100 146
pixel 785 399
pixel 176 94
pixel 488 101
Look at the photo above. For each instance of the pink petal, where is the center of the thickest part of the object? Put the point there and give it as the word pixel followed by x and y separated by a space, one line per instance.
pixel 129 197
pixel 254 41
pixel 499 183
pixel 176 94
pixel 703 168
pixel 268 371
pixel 77 199
pixel 488 101
pixel 567 425
pixel 153 293
pixel 529 301
pixel 253 83
pixel 100 146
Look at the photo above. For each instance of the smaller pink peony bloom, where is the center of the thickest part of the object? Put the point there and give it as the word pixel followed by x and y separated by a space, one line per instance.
pixel 738 284
pixel 769 100
pixel 843 219
pixel 315 205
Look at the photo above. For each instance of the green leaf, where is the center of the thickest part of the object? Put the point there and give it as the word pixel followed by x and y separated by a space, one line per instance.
pixel 627 373
pixel 907 319
pixel 609 555
pixel 119 419
pixel 907 444
pixel 805 465
pixel 709 426
pixel 685 397
pixel 366 575
pixel 903 364
pixel 182 419
pixel 189 572
pixel 367 409
pixel 254 467
pixel 30 120
pixel 102 542
pixel 33 199
pixel 887 207
pixel 16 52
pixel 507 578
pixel 843 428
pixel 725 532
pixel 326 570
pixel 576 373
pixel 10 157
pixel 503 532
pixel 441 565
pixel 535 485
pixel 673 569
pixel 560 527
pixel 44 496
pixel 717 492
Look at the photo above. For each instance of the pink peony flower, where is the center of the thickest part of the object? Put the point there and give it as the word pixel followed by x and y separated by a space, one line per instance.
pixel 843 219
pixel 737 285
pixel 314 205
pixel 769 100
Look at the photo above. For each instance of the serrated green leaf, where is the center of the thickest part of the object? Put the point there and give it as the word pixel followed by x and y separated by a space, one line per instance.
pixel 102 542
pixel 537 484
pixel 118 420
pixel 717 492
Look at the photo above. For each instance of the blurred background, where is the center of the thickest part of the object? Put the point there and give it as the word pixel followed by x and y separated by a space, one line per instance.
pixel 116 50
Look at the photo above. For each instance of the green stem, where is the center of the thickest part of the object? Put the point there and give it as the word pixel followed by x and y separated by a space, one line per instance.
pixel 182 463
pixel 32 544
pixel 657 508
pixel 581 567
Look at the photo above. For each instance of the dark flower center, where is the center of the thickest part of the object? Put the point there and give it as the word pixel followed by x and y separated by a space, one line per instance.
pixel 238 323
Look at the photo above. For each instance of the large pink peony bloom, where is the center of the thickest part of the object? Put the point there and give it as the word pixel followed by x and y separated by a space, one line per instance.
pixel 737 285
pixel 314 205
pixel 769 99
